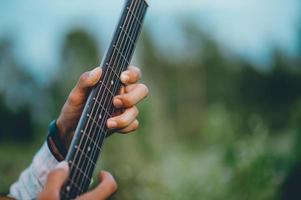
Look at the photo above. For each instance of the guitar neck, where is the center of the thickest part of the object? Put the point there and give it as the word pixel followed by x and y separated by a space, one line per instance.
pixel 91 130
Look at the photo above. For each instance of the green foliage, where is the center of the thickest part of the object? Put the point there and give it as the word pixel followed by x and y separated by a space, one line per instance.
pixel 212 127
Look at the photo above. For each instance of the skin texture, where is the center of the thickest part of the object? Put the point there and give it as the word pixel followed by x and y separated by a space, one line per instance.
pixel 124 121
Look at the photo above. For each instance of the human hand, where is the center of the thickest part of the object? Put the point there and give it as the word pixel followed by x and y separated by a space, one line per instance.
pixel 58 176
pixel 130 94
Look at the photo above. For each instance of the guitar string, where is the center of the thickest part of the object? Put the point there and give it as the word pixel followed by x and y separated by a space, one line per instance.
pixel 135 31
pixel 90 131
pixel 81 139
pixel 95 104
pixel 86 129
pixel 123 61
pixel 128 50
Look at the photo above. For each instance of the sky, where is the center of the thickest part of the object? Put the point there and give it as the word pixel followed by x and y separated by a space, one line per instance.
pixel 250 28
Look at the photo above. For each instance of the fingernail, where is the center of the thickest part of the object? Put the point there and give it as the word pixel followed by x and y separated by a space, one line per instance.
pixel 118 103
pixel 124 77
pixel 112 124
pixel 63 165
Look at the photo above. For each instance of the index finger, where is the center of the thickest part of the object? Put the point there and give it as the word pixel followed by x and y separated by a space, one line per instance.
pixel 131 75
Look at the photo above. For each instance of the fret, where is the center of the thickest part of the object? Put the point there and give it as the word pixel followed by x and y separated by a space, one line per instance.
pixel 102 107
pixel 132 31
pixel 87 156
pixel 135 33
pixel 81 172
pixel 135 17
pixel 119 37
pixel 119 53
pixel 75 185
pixel 70 189
pixel 131 40
pixel 94 122
pixel 108 89
pixel 96 145
pixel 112 70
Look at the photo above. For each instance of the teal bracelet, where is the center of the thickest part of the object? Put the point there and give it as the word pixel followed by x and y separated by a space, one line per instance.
pixel 54 136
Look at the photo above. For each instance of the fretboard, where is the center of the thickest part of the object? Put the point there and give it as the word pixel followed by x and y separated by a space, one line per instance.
pixel 91 131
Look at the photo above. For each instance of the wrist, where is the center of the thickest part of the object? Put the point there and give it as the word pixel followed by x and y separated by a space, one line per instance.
pixel 55 141
pixel 63 132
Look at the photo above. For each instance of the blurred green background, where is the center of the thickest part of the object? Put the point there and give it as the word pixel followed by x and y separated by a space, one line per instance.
pixel 221 121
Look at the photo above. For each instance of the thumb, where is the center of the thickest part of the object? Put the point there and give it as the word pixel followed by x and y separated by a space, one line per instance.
pixel 86 81
pixel 55 181
pixel 104 190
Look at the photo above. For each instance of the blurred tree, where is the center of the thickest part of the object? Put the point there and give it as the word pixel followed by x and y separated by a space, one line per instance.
pixel 208 128
pixel 79 54
pixel 16 92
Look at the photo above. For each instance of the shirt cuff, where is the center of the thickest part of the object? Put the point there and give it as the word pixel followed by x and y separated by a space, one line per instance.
pixel 33 179
pixel 43 162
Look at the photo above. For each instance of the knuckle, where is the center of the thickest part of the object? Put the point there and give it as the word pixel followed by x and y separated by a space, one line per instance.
pixel 127 100
pixel 123 122
pixel 83 77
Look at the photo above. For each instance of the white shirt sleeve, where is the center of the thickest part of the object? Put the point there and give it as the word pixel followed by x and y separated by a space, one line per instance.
pixel 32 179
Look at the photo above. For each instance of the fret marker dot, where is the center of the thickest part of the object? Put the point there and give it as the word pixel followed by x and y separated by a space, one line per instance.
pixel 82 131
pixel 88 115
pixel 94 98
pixel 68 188
pixel 100 116
pixel 75 146
pixel 112 82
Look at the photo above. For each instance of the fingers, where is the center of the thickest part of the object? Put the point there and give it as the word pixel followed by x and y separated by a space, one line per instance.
pixel 132 127
pixel 131 75
pixel 123 120
pixel 104 190
pixel 80 92
pixel 55 181
pixel 133 94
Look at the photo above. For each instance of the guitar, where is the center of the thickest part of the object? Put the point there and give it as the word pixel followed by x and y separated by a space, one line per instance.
pixel 91 130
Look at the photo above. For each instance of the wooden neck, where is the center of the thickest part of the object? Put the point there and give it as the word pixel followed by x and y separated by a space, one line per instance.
pixel 91 130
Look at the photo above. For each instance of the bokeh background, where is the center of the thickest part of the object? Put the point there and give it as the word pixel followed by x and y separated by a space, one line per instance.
pixel 223 119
